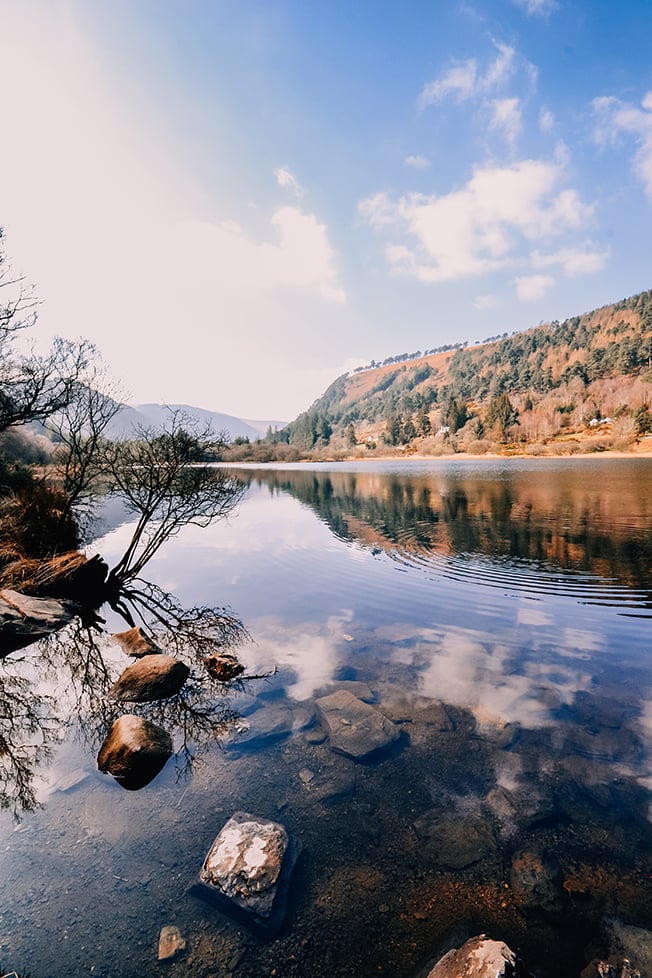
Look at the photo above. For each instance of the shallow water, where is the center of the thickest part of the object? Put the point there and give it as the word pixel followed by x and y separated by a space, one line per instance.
pixel 499 613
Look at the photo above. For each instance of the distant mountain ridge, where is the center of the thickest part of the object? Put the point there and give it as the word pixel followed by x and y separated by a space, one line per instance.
pixel 133 416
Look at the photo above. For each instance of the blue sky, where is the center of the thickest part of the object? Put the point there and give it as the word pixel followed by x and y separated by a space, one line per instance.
pixel 239 200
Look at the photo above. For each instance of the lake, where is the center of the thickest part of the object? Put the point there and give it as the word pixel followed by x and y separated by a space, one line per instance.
pixel 497 612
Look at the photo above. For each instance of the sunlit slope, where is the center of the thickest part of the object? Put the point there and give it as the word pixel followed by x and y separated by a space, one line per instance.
pixel 557 376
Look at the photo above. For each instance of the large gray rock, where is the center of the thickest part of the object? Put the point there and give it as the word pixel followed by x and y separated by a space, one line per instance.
pixel 154 677
pixel 25 619
pixel 479 958
pixel 134 751
pixel 246 872
pixel 354 728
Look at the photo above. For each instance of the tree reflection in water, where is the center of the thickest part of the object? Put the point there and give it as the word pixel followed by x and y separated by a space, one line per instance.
pixel 82 663
pixel 162 480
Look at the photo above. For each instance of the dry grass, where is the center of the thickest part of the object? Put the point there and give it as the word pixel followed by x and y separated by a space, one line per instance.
pixel 30 575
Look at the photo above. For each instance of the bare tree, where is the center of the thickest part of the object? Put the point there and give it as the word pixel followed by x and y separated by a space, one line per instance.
pixel 162 477
pixel 79 428
pixel 32 386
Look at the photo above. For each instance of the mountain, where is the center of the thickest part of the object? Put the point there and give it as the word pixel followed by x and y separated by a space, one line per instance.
pixel 590 373
pixel 131 417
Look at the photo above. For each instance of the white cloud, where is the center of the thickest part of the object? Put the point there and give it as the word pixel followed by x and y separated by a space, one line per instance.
pixel 613 118
pixel 529 288
pixel 461 81
pixel 506 118
pixel 480 227
pixel 417 162
pixel 286 179
pixel 541 8
pixel 573 261
pixel 500 70
pixel 130 251
pixel 546 120
pixel 464 81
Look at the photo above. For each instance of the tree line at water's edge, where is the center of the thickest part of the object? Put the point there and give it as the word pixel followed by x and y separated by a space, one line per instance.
pixel 583 384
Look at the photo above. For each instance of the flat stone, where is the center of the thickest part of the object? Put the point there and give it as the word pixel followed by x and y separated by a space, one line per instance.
pixel 247 869
pixel 431 713
pixel 354 728
pixel 453 841
pixel 479 958
pixel 136 643
pixel 266 726
pixel 170 943
pixel 154 677
pixel 25 619
pixel 134 751
pixel 333 785
pixel 269 724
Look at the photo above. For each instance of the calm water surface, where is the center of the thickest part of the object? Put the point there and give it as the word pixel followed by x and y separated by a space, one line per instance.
pixel 499 613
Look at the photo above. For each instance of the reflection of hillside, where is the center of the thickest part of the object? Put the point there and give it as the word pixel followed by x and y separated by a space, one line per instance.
pixel 570 519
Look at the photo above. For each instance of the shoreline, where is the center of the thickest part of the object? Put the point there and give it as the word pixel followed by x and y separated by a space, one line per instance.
pixel 444 457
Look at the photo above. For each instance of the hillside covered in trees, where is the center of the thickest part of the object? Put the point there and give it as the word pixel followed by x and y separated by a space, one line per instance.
pixel 581 384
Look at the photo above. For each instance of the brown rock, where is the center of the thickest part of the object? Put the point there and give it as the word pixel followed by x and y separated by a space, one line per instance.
pixel 134 751
pixel 154 677
pixel 136 643
pixel 223 667
pixel 170 943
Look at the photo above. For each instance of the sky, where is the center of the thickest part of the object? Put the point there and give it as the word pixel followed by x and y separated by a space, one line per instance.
pixel 239 200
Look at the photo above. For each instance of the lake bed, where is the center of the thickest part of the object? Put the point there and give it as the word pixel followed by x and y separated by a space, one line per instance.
pixel 498 614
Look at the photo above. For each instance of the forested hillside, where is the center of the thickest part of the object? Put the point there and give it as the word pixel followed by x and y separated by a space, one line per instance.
pixel 587 379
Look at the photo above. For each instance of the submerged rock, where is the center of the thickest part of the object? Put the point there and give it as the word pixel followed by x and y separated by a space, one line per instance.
pixel 136 643
pixel 25 619
pixel 154 677
pixel 267 725
pixel 247 870
pixel 170 943
pixel 453 840
pixel 633 943
pixel 614 967
pixel 480 957
pixel 354 728
pixel 357 688
pixel 134 751
pixel 534 885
